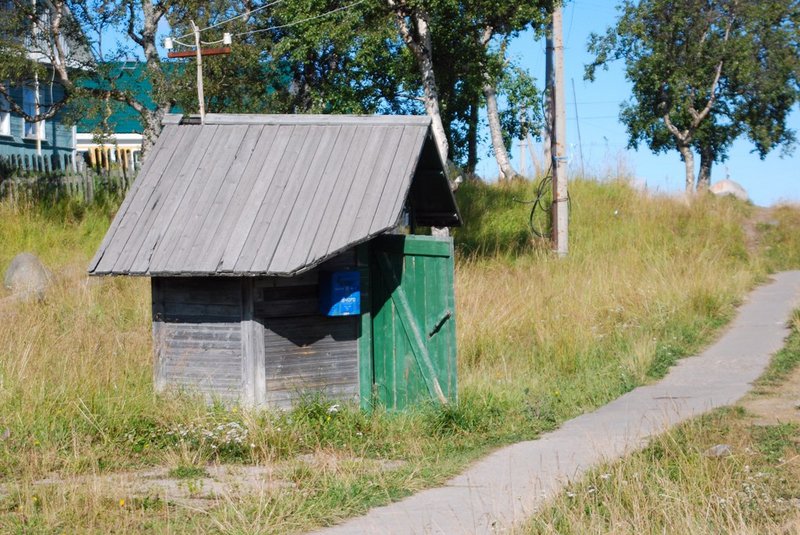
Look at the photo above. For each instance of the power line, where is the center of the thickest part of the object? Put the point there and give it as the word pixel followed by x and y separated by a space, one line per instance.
pixel 301 21
pixel 226 21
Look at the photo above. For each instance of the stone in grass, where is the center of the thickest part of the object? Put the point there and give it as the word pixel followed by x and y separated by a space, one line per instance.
pixel 720 450
pixel 26 276
pixel 729 187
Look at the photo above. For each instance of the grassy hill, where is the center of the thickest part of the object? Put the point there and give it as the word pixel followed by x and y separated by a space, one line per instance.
pixel 648 280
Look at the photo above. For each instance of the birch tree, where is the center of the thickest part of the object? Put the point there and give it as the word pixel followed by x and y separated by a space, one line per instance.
pixel 413 23
pixel 704 73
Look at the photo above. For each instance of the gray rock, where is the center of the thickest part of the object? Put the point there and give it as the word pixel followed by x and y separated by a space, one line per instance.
pixel 27 276
pixel 729 187
pixel 720 450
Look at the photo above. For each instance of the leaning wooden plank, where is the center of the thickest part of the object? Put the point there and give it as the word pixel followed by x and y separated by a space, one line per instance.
pixel 383 178
pixel 343 221
pixel 411 328
pixel 135 201
pixel 239 211
pixel 405 163
pixel 245 208
pixel 313 221
pixel 206 234
pixel 301 209
pixel 281 183
pixel 282 211
pixel 185 211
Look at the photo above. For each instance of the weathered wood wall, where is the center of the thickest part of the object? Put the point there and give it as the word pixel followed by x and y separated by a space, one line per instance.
pixel 306 352
pixel 258 340
pixel 197 335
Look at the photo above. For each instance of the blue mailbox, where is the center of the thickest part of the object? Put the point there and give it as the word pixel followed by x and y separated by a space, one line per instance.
pixel 340 293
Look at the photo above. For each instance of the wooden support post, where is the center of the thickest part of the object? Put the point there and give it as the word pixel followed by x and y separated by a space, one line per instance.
pixel 254 378
pixel 157 297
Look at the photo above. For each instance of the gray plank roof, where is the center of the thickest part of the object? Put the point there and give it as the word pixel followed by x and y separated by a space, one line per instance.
pixel 271 194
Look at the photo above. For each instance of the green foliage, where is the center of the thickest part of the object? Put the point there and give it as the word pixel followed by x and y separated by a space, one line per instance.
pixel 715 70
pixel 188 472
pixel 496 217
pixel 774 440
pixel 786 360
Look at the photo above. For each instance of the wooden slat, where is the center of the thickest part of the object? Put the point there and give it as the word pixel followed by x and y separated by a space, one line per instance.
pixel 281 211
pixel 302 208
pixel 316 209
pixel 135 201
pixel 250 214
pixel 310 354
pixel 342 187
pixel 154 197
pixel 393 199
pixel 163 220
pixel 171 254
pixel 366 209
pixel 207 239
pixel 344 220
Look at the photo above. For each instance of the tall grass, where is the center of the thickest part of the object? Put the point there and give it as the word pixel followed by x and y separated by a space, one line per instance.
pixel 675 486
pixel 647 280
pixel 540 339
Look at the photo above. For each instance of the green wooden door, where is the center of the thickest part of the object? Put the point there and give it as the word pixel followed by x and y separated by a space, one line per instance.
pixel 413 320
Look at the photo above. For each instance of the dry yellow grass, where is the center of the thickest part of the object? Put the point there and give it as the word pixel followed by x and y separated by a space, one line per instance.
pixel 540 340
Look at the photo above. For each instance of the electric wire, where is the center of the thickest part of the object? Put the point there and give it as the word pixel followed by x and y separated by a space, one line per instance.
pixel 226 21
pixel 301 21
pixel 538 203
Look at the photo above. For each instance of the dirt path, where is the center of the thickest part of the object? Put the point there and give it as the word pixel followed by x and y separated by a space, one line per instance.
pixel 778 404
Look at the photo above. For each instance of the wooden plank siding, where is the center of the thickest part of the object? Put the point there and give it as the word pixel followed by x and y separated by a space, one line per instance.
pixel 198 335
pixel 256 340
pixel 306 353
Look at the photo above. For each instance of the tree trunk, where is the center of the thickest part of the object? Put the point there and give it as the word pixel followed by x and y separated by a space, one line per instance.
pixel 151 119
pixel 472 138
pixel 496 131
pixel 688 162
pixel 431 101
pixel 417 37
pixel 704 176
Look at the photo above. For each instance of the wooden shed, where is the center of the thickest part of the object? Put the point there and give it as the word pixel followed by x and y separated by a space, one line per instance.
pixel 284 259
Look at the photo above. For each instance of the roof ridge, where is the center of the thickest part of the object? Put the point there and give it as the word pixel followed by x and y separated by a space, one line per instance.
pixel 295 119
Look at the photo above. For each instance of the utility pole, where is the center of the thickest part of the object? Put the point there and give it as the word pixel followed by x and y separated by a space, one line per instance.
pixel 198 54
pixel 560 206
pixel 200 98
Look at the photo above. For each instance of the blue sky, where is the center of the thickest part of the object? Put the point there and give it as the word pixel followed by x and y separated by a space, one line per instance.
pixel 604 139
